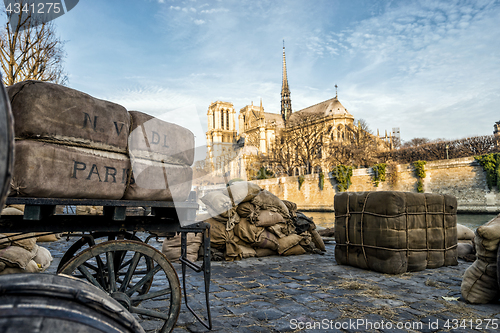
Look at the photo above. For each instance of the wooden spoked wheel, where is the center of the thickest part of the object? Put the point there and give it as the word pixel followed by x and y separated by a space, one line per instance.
pixel 119 267
pixel 90 240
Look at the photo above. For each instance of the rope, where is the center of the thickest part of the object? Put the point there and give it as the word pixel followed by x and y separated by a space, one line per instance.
pixel 361 230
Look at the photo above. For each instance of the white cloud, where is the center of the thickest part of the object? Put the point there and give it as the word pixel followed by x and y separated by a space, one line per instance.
pixel 215 10
pixel 199 22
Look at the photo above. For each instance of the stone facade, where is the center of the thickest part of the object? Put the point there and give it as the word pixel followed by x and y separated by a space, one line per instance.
pixel 463 178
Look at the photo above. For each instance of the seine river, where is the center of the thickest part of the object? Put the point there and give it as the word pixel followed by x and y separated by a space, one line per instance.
pixel 327 219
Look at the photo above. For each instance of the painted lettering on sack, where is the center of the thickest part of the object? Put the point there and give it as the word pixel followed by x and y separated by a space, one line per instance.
pixel 91 122
pixel 80 172
pixel 125 177
pixel 118 131
pixel 88 121
pixel 156 139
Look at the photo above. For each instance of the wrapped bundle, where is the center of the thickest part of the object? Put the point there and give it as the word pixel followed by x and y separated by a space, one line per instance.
pixel 68 144
pixel 480 282
pixel 394 232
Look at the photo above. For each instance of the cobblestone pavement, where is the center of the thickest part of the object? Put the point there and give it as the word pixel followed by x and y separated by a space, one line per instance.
pixel 312 293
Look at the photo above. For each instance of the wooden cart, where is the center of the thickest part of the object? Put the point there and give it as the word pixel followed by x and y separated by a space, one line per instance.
pixel 112 258
pixel 108 254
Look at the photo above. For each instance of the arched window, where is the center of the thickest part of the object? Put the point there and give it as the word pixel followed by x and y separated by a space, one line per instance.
pixel 227 119
pixel 213 117
pixel 296 171
pixel 222 119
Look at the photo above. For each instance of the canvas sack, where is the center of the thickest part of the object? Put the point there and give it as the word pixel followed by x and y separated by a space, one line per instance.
pixel 267 240
pixel 267 218
pixel 464 233
pixel 52 112
pixel 16 256
pixel 288 242
pixel 479 284
pixel 242 191
pixel 31 267
pixel 157 140
pixel 265 200
pixel 159 181
pixel 48 170
pixel 247 231
pixel 171 248
pixel 490 230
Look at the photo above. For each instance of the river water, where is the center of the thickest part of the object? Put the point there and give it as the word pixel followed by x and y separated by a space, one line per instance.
pixel 472 221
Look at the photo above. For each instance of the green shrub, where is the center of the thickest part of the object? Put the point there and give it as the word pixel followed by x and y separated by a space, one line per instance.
pixel 301 181
pixel 342 174
pixel 420 173
pixel 491 165
pixel 379 173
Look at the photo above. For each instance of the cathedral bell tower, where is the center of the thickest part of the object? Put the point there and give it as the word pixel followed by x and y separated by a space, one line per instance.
pixel 286 101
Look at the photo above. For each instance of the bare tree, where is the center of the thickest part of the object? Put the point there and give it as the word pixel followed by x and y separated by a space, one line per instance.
pixel 31 51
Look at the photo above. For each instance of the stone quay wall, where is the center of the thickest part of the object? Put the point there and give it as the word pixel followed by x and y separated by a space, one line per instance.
pixel 463 178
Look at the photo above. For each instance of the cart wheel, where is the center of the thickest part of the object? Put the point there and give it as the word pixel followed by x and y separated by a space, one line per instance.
pixel 162 302
pixel 90 240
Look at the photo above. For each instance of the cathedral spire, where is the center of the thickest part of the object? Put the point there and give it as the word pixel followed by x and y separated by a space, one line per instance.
pixel 286 102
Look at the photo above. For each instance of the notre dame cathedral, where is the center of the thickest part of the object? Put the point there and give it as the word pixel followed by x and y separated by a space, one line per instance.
pixel 296 140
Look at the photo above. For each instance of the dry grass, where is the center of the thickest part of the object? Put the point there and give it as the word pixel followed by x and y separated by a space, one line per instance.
pixel 433 283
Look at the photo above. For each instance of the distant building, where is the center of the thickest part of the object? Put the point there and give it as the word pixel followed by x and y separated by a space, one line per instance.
pixel 262 131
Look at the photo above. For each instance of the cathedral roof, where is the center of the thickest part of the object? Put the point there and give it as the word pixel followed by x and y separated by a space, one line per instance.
pixel 270 117
pixel 331 107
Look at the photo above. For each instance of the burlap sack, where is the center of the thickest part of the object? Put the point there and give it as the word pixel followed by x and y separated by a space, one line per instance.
pixel 318 241
pixel 479 284
pixel 242 191
pixel 490 230
pixel 43 258
pixel 246 251
pixel 267 240
pixel 171 248
pixel 89 210
pixel 158 140
pixel 54 171
pixel 31 267
pixel 223 239
pixel 218 203
pixel 16 256
pixel 486 248
pixel 394 232
pixel 247 231
pixel 279 229
pixel 267 218
pixel 246 209
pixel 288 242
pixel 464 233
pixel 265 200
pixel 11 211
pixel 159 181
pixel 294 250
pixel 16 239
pixel 464 249
pixel 47 111
pixel 47 238
pixel 260 252
pixel 292 207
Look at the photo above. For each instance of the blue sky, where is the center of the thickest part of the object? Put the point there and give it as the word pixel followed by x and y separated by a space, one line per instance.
pixel 431 68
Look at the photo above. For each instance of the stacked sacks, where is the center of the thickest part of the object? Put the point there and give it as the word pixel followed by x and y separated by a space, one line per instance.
pixel 395 232
pixel 480 281
pixel 172 247
pixel 22 255
pixel 257 224
pixel 68 144
pixel 19 253
pixel 465 246
pixel 161 155
pixel 71 145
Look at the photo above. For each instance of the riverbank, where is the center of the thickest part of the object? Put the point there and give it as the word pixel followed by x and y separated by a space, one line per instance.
pixel 291 294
